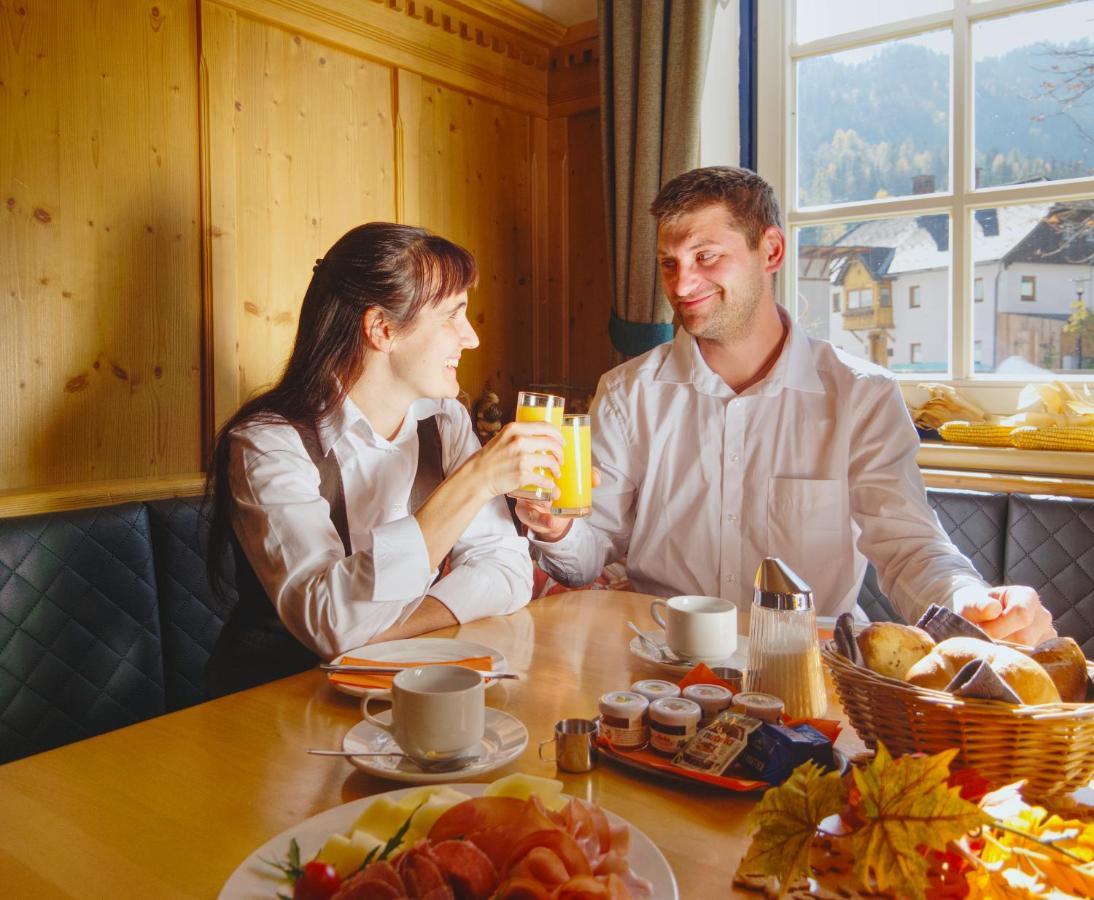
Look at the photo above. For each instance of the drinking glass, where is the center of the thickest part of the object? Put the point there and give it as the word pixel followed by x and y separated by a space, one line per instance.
pixel 532 407
pixel 575 482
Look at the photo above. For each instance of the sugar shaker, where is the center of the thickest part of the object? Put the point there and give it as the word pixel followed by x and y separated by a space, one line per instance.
pixel 784 650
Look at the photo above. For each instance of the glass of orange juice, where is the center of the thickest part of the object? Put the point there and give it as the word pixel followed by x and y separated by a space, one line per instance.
pixel 575 482
pixel 532 407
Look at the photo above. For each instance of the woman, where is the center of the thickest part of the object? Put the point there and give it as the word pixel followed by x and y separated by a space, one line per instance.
pixel 349 482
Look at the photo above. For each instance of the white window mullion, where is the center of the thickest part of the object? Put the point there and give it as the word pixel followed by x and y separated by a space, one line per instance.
pixel 961 152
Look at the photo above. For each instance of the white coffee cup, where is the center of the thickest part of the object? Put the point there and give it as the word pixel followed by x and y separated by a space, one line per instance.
pixel 437 712
pixel 702 627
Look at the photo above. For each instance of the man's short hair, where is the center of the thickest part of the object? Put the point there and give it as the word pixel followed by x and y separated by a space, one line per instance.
pixel 749 200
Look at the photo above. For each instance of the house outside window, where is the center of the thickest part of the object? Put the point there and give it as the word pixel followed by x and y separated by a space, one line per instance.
pixel 835 302
pixel 915 353
pixel 935 183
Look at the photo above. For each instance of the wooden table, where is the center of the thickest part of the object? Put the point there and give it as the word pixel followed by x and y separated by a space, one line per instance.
pixel 169 807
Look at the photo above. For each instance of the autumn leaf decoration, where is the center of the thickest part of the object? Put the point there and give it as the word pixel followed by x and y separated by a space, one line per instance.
pixel 786 819
pixel 903 809
pixel 907 808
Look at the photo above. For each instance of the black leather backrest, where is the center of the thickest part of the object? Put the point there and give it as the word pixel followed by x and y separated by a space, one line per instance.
pixel 79 627
pixel 975 521
pixel 1050 547
pixel 192 614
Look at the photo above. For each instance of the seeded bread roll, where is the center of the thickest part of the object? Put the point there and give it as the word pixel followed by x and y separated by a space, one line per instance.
pixel 891 649
pixel 1026 677
pixel 1063 659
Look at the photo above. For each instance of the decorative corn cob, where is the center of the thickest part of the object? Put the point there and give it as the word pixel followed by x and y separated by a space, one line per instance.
pixel 983 434
pixel 1058 437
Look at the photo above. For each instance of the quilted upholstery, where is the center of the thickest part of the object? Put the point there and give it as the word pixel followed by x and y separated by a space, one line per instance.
pixel 975 521
pixel 80 645
pixel 192 616
pixel 1050 546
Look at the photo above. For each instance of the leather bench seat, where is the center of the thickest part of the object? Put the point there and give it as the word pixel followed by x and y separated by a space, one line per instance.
pixel 107 617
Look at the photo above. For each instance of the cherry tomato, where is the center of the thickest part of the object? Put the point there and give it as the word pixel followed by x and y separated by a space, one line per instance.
pixel 319 882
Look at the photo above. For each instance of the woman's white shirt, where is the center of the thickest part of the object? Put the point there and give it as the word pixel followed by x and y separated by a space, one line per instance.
pixel 332 602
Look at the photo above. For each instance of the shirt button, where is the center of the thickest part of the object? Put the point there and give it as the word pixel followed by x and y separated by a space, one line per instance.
pixel 731 578
pixel 734 458
pixel 396 508
pixel 731 517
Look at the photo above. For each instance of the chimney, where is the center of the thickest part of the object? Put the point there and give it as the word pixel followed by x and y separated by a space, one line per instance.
pixel 922 184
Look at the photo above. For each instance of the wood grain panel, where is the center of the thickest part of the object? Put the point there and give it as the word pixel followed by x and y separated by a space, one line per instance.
pixel 589 286
pixel 467 175
pixel 301 148
pixel 99 274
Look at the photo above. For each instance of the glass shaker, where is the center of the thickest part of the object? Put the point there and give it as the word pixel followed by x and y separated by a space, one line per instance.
pixel 784 651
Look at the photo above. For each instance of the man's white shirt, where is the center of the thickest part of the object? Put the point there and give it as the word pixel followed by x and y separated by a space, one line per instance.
pixel 815 465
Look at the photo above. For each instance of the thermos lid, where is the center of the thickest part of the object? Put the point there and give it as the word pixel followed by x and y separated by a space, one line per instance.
pixel 780 587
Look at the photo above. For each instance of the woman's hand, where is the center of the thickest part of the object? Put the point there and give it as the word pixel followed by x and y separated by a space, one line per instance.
pixel 522 453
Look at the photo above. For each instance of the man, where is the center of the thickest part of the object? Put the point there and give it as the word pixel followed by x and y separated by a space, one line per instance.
pixel 745 438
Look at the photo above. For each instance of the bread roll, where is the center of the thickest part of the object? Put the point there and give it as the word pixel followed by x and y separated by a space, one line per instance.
pixel 1025 677
pixel 891 649
pixel 938 668
pixel 1063 659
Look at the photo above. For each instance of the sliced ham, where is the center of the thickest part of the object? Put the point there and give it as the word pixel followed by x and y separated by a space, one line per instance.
pixel 493 824
pixel 522 889
pixel 377 881
pixel 469 870
pixel 422 875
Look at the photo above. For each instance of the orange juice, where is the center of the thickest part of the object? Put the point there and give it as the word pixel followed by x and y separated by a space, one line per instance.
pixel 537 408
pixel 575 481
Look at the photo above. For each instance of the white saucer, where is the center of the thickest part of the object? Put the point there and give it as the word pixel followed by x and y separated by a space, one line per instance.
pixel 504 740
pixel 421 650
pixel 736 660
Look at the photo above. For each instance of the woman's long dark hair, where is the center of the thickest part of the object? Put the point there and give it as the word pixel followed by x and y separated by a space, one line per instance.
pixel 398 268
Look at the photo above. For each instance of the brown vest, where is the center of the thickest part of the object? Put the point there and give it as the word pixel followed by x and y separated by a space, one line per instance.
pixel 255 646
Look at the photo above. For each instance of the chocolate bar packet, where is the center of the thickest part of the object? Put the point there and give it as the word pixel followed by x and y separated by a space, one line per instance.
pixel 713 748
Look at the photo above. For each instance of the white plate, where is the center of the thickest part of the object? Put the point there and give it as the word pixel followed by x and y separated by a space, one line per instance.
pixel 254 880
pixel 421 650
pixel 737 660
pixel 503 741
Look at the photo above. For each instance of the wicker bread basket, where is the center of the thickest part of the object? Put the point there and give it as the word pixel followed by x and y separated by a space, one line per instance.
pixel 1050 746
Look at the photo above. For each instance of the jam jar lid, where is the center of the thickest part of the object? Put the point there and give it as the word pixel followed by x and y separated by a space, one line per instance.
pixel 653 688
pixel 626 704
pixel 675 711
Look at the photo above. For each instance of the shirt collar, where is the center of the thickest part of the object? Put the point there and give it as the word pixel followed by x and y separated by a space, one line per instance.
pixel 794 369
pixel 348 417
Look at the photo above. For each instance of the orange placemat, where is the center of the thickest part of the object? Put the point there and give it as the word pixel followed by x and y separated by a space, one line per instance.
pixel 659 765
pixel 370 680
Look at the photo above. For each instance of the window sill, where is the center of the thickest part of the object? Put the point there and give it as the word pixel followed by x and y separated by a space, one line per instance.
pixel 1061 472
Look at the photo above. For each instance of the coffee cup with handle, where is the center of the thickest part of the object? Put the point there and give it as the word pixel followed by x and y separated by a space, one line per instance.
pixel 438 713
pixel 697 627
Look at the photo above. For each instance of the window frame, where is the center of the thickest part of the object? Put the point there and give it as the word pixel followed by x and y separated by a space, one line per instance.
pixel 776 144
pixel 1022 295
pixel 913 297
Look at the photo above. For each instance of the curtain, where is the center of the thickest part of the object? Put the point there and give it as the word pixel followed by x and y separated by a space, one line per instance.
pixel 653 56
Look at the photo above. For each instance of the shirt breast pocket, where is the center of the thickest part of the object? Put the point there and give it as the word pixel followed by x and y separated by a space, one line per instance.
pixel 807 523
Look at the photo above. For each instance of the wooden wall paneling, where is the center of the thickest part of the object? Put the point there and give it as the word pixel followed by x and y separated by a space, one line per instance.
pixel 541 226
pixel 307 156
pixel 497 48
pixel 472 183
pixel 99 242
pixel 556 313
pixel 590 299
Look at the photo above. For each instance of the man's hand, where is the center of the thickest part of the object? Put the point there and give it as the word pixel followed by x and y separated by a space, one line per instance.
pixel 536 514
pixel 1007 613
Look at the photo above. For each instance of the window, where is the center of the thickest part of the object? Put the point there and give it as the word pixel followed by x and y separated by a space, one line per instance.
pixel 970 181
pixel 835 301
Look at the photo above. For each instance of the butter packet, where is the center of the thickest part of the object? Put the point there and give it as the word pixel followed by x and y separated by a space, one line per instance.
pixel 713 748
